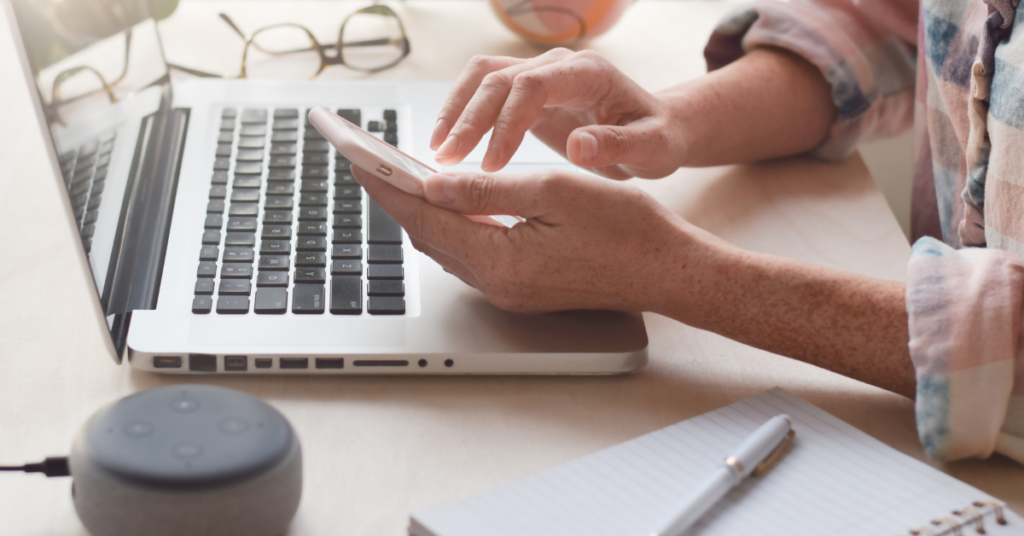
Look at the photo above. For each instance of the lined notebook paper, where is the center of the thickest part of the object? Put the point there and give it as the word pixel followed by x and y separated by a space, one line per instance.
pixel 836 480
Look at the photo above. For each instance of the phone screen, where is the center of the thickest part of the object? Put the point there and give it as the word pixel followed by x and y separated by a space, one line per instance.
pixel 388 153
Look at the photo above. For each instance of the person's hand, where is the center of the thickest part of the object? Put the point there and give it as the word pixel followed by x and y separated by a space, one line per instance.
pixel 586 243
pixel 577 103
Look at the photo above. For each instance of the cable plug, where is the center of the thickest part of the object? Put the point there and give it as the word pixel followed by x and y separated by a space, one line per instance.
pixel 51 467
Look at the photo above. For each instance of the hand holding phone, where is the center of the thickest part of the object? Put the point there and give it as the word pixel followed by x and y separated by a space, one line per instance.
pixel 375 156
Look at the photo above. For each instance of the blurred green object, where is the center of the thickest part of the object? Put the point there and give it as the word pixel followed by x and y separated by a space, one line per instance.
pixel 55 29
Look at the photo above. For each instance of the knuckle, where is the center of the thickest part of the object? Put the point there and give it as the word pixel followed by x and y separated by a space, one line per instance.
pixel 498 80
pixel 480 62
pixel 529 81
pixel 479 189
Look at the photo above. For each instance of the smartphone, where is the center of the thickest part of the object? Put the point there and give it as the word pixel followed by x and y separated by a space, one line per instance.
pixel 380 158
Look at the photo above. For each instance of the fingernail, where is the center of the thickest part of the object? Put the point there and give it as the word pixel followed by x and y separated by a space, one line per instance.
pixel 444 189
pixel 440 129
pixel 491 159
pixel 449 147
pixel 588 146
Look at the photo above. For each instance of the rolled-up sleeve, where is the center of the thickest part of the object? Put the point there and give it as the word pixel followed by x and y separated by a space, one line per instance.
pixel 965 312
pixel 864 48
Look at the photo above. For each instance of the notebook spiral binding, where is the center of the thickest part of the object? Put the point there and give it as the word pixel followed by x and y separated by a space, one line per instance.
pixel 971 517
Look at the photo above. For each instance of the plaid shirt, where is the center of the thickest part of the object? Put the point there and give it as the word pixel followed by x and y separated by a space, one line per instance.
pixel 965 283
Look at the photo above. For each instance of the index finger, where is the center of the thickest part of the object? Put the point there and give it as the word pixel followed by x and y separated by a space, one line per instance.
pixel 446 231
pixel 463 90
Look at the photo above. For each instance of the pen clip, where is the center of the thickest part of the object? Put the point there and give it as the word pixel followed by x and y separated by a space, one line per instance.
pixel 774 457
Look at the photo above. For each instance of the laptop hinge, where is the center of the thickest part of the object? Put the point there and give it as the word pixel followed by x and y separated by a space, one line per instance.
pixel 136 265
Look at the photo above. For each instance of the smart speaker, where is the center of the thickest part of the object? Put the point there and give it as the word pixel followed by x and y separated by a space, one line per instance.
pixel 187 460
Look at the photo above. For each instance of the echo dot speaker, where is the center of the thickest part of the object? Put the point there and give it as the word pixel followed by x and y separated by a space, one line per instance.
pixel 559 22
pixel 187 460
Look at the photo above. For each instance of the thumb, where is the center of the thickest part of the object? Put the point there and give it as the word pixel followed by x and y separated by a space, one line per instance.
pixel 637 144
pixel 483 193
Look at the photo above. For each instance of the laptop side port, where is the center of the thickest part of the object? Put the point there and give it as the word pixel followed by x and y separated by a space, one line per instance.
pixel 381 363
pixel 236 363
pixel 167 361
pixel 294 362
pixel 264 362
pixel 202 363
pixel 330 362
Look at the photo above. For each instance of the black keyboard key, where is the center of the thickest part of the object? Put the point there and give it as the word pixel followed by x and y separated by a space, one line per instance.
pixel 346 295
pixel 280 188
pixel 271 301
pixel 244 209
pixel 282 162
pixel 308 299
pixel 251 142
pixel 312 228
pixel 232 305
pixel 247 182
pixel 310 259
pixel 248 168
pixel 242 223
pixel 238 254
pixel 253 115
pixel 277 216
pixel 286 113
pixel 309 275
pixel 240 239
pixel 209 253
pixel 311 243
pixel 227 123
pixel 219 164
pixel 284 136
pixel 211 237
pixel 380 287
pixel 384 254
pixel 218 191
pixel 272 279
pixel 344 178
pixel 314 186
pixel 348 221
pixel 390 115
pixel 215 206
pixel 392 139
pixel 275 202
pixel 281 175
pixel 245 195
pixel 88 231
pixel 348 206
pixel 273 262
pixel 348 236
pixel 233 270
pixel 390 126
pixel 381 305
pixel 97 188
pixel 284 149
pixel 213 221
pixel 316 146
pixel 382 228
pixel 219 177
pixel 312 134
pixel 312 200
pixel 253 130
pixel 225 137
pixel 316 159
pixel 343 267
pixel 286 124
pixel 275 247
pixel 315 172
pixel 207 269
pixel 277 231
pixel 91 216
pixel 249 155
pixel 375 126
pixel 241 287
pixel 204 287
pixel 223 150
pixel 354 116
pixel 348 192
pixel 385 271
pixel 347 251
pixel 313 214
pixel 201 305
pixel 229 113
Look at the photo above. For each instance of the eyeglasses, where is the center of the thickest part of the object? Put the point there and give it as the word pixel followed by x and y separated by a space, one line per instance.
pixel 370 40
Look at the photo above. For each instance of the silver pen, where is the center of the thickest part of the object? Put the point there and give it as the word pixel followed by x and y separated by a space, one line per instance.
pixel 753 457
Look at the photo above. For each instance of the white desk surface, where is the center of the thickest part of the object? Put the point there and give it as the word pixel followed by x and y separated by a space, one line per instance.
pixel 379 448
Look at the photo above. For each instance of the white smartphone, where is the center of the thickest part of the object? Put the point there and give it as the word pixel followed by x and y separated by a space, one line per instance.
pixel 380 158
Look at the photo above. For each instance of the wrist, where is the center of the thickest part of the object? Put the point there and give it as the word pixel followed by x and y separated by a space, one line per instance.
pixel 681 121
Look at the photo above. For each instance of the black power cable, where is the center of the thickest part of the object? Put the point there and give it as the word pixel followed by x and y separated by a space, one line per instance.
pixel 51 467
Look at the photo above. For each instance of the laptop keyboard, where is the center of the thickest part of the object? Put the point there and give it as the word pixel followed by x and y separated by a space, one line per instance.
pixel 85 174
pixel 287 227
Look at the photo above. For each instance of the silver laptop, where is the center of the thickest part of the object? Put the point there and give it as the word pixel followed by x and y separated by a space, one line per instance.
pixel 224 235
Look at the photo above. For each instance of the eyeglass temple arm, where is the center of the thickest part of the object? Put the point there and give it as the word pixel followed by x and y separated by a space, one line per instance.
pixel 194 72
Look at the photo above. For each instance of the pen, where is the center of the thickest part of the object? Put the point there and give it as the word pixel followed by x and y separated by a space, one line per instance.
pixel 753 457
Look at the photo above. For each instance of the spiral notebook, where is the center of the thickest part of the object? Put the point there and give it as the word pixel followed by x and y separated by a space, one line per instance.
pixel 835 480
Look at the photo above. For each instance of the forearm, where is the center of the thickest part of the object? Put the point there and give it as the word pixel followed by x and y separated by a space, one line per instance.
pixel 770 103
pixel 850 324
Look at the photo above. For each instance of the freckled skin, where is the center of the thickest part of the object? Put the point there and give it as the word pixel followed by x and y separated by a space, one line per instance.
pixel 589 243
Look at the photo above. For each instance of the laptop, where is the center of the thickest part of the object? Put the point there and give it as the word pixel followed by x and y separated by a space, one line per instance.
pixel 225 235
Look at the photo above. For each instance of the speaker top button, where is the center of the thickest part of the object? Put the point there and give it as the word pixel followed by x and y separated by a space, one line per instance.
pixel 187 451
pixel 234 426
pixel 137 429
pixel 185 404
